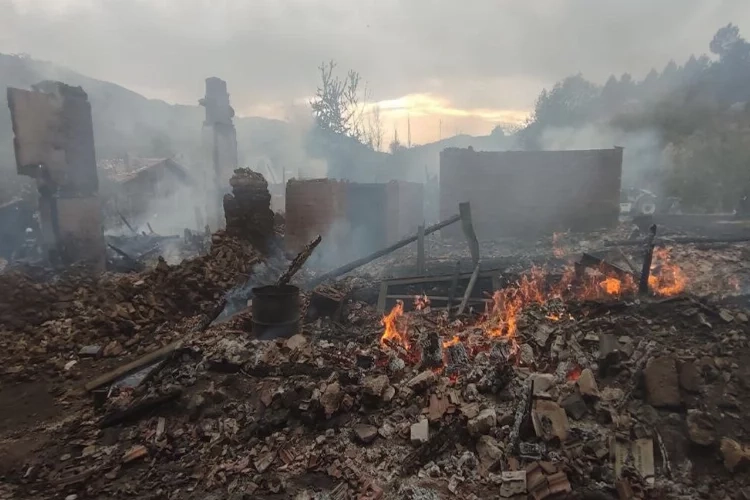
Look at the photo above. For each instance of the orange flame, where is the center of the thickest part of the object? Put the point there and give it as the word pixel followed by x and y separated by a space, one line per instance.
pixel 612 286
pixel 393 331
pixel 574 374
pixel 666 278
pixel 447 343
pixel 558 249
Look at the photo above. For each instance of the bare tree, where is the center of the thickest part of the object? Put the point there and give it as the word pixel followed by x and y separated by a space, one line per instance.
pixel 340 107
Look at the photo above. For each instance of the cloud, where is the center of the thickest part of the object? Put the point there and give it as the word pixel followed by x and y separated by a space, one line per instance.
pixel 478 55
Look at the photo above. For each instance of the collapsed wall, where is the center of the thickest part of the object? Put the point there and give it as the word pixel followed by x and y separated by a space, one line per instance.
pixel 524 193
pixel 355 218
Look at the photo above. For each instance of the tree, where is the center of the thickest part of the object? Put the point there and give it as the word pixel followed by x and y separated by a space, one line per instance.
pixel 341 107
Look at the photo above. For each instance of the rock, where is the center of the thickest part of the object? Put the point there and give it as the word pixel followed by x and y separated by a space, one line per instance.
pixel 467 461
pixel 113 349
pixel 482 423
pixel 690 377
pixel 726 316
pixel 388 394
pixel 470 392
pixel 422 381
pixel 264 462
pixel 514 483
pixel 489 452
pixel 734 454
pixel 575 406
pixel 662 382
pixel 375 386
pixel 365 434
pixel 741 317
pixel 195 406
pixel 550 420
pixel 396 364
pixel 542 381
pixel 331 398
pixel 700 428
pixel 90 351
pixel 295 342
pixel 526 355
pixel 420 432
pixel 587 384
pixel 386 430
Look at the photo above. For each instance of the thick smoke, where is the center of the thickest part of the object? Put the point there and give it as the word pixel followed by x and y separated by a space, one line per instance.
pixel 643 155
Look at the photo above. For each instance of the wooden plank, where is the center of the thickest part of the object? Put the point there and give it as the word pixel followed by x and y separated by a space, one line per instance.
pixel 382 297
pixel 468 228
pixel 469 289
pixel 133 365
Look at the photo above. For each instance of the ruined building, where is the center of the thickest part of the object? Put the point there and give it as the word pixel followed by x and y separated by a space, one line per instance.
pixel 219 145
pixel 54 144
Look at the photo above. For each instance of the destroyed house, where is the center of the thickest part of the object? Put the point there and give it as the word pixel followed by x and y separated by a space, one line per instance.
pixel 132 184
pixel 528 193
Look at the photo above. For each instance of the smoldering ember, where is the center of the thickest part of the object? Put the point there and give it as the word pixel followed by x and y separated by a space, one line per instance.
pixel 522 325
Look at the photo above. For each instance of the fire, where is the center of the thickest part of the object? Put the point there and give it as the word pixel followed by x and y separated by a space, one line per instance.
pixel 447 343
pixel 612 286
pixel 666 279
pixel 393 331
pixel 553 317
pixel 574 374
pixel 557 248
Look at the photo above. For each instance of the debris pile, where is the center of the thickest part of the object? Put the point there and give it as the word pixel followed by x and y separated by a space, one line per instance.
pixel 43 317
pixel 616 397
pixel 248 209
pixel 565 386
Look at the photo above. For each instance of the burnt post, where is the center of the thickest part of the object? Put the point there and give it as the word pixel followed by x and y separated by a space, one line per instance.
pixel 648 256
pixel 468 228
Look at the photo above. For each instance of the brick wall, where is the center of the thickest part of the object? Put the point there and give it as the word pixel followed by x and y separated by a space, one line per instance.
pixel 312 206
pixel 525 193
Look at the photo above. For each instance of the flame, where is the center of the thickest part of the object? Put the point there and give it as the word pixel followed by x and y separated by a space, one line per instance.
pixel 612 286
pixel 666 279
pixel 558 250
pixel 393 331
pixel 574 374
pixel 553 317
pixel 447 343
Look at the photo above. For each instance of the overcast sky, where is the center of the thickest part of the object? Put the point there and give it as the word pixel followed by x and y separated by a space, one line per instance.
pixel 469 63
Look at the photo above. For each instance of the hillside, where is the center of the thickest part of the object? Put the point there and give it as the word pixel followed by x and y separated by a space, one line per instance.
pixel 127 122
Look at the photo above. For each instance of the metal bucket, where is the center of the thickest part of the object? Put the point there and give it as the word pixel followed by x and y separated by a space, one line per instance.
pixel 275 311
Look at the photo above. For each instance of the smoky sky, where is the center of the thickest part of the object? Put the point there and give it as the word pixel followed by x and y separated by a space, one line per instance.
pixel 476 53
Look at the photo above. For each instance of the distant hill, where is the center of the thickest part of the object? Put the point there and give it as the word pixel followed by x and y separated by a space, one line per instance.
pixel 127 122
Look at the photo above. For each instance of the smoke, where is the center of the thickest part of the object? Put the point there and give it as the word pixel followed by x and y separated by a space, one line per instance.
pixel 643 154
pixel 264 273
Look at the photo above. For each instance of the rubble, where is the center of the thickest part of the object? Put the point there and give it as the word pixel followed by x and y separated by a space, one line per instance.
pixel 420 432
pixel 338 412
pixel 482 423
pixel 662 382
